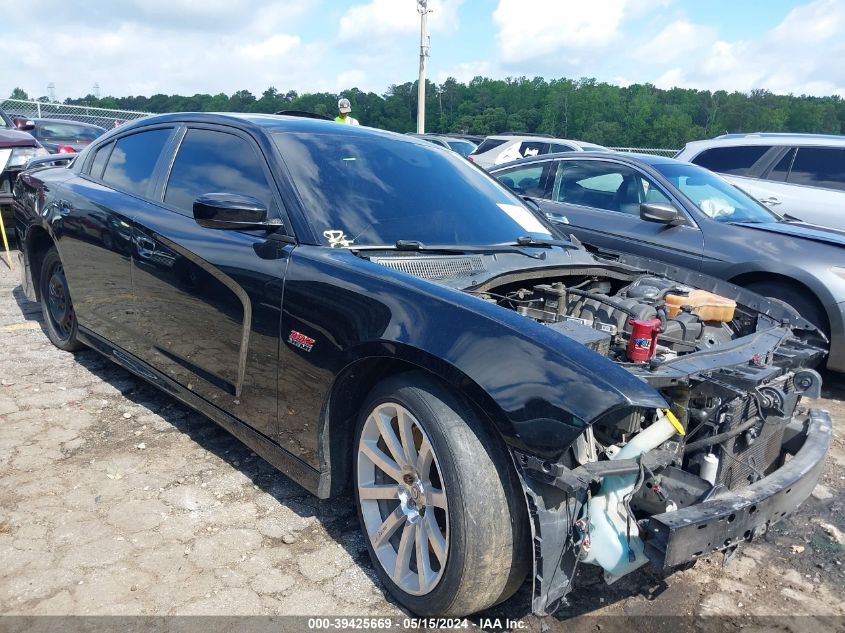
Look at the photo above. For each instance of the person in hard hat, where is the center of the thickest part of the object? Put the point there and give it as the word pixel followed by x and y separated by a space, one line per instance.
pixel 345 108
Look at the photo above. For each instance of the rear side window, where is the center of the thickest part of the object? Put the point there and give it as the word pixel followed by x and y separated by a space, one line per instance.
pixel 99 161
pixel 736 161
pixel 819 167
pixel 215 162
pixel 130 166
pixel 557 147
pixel 488 144
pixel 67 132
pixel 533 148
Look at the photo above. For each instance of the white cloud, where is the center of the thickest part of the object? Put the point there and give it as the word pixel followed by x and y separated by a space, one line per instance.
pixel 675 42
pixel 379 19
pixel 800 55
pixel 353 78
pixel 274 46
pixel 182 63
pixel 467 71
pixel 533 29
pixel 136 53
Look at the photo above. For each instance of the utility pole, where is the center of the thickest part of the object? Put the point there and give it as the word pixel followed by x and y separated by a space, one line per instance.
pixel 423 10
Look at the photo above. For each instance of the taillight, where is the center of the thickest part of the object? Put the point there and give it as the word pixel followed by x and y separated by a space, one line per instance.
pixel 66 149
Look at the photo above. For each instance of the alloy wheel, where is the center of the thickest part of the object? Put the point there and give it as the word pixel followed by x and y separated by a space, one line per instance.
pixel 403 499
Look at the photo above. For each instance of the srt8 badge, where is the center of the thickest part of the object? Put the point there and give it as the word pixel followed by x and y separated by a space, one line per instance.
pixel 298 339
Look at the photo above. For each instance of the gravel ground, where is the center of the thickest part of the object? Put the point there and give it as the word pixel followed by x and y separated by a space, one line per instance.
pixel 115 499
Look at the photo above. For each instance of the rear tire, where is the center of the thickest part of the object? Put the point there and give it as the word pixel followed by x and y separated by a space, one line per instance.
pixel 426 467
pixel 56 305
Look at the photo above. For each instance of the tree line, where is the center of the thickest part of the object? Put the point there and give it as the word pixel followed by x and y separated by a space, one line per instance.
pixel 639 115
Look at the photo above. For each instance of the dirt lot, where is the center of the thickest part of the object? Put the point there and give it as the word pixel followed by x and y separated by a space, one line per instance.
pixel 115 499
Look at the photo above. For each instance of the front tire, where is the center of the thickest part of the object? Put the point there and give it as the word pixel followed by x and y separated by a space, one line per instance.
pixel 799 300
pixel 439 503
pixel 56 304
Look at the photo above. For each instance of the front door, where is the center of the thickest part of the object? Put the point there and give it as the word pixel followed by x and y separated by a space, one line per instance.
pixel 599 201
pixel 208 301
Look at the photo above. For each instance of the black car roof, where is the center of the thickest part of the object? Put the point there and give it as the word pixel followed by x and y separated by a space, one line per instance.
pixel 266 122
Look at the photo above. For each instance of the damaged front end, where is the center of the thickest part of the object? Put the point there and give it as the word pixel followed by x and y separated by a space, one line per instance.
pixel 731 453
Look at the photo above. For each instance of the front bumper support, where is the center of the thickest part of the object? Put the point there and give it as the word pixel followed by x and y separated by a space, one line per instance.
pixel 674 538
pixel 556 498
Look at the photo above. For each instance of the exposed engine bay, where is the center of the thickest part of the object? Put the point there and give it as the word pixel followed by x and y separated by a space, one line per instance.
pixel 652 319
pixel 732 399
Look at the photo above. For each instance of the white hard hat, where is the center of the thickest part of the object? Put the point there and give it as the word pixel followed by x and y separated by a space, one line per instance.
pixel 344 106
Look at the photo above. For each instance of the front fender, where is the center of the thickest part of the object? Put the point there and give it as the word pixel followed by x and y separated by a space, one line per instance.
pixel 544 387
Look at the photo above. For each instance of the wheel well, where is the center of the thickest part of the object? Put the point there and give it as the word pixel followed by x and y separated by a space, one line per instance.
pixel 805 291
pixel 347 396
pixel 38 242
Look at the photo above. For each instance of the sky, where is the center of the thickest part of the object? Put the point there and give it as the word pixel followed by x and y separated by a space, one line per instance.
pixel 144 47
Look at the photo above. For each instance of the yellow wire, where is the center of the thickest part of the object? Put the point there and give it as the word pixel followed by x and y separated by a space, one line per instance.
pixel 5 242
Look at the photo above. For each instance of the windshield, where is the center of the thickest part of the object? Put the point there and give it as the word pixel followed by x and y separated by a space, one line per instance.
pixel 716 198
pixel 464 148
pixel 370 190
pixel 74 132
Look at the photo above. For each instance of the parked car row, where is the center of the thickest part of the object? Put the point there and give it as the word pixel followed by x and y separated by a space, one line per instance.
pixel 370 312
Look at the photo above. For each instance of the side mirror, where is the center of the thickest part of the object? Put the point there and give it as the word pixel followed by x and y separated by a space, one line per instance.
pixel 231 211
pixel 24 124
pixel 661 213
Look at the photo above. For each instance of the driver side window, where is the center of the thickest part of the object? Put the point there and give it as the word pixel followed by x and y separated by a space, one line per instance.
pixel 209 161
pixel 604 185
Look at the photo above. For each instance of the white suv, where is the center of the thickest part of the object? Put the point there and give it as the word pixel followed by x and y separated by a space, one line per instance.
pixel 497 150
pixel 801 175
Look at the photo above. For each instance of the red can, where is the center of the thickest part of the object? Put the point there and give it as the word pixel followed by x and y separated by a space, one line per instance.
pixel 643 339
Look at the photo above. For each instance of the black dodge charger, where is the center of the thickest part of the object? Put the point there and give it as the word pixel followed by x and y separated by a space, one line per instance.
pixel 366 310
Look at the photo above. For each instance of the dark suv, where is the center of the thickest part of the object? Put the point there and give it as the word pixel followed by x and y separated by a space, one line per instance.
pixel 17 147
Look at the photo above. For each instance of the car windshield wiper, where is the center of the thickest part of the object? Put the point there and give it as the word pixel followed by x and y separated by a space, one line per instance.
pixel 527 240
pixel 415 245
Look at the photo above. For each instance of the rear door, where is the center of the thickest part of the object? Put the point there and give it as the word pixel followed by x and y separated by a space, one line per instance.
pixel 599 201
pixel 808 183
pixel 116 182
pixel 208 301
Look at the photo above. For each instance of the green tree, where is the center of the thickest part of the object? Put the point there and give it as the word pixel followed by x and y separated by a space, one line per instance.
pixel 640 115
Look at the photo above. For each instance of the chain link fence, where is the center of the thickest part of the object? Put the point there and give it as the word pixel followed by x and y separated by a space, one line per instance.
pixel 98 116
pixel 647 150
